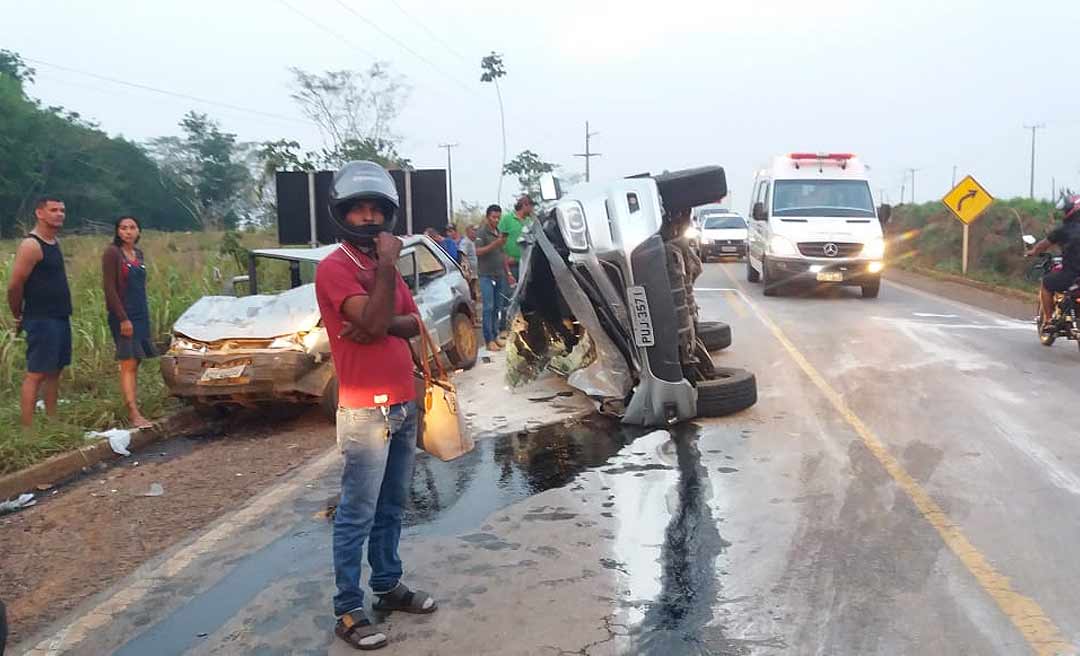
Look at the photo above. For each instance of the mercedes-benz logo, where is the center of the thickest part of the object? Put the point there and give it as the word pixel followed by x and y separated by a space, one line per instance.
pixel 830 250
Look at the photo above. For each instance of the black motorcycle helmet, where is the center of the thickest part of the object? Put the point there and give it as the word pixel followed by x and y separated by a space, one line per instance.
pixel 1069 205
pixel 363 180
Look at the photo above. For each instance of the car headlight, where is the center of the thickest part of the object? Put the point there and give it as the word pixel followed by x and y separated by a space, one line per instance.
pixel 286 342
pixel 575 231
pixel 692 233
pixel 874 249
pixel 179 343
pixel 782 246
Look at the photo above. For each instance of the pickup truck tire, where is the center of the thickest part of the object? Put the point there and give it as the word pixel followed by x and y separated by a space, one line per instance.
pixel 328 402
pixel 465 348
pixel 752 274
pixel 715 334
pixel 729 392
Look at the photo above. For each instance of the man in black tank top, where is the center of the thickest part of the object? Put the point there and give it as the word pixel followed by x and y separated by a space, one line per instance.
pixel 40 301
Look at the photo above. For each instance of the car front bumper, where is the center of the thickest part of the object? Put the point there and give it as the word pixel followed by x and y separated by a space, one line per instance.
pixel 254 375
pixel 813 270
pixel 723 248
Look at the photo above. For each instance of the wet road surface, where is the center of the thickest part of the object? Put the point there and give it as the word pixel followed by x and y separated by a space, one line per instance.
pixel 906 484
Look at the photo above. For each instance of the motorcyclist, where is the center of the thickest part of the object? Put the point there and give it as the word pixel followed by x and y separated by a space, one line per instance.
pixel 1066 237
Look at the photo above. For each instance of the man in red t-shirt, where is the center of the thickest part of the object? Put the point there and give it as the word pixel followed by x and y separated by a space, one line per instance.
pixel 370 315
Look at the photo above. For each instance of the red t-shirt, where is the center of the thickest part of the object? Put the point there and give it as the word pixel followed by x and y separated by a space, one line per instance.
pixel 369 375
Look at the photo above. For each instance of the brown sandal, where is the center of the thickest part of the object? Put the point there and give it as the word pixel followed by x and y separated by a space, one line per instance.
pixel 406 600
pixel 357 630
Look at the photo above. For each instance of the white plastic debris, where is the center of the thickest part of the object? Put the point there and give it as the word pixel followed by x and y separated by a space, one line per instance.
pixel 156 490
pixel 119 439
pixel 18 503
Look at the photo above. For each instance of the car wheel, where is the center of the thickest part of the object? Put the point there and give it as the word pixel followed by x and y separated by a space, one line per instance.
pixel 463 351
pixel 752 274
pixel 771 286
pixel 715 334
pixel 871 289
pixel 729 392
pixel 328 402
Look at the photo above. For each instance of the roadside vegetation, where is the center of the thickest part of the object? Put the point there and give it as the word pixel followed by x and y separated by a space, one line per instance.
pixel 182 268
pixel 927 236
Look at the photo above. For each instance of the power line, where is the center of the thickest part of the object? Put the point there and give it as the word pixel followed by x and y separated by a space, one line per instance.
pixel 1033 128
pixel 431 33
pixel 404 46
pixel 588 154
pixel 166 92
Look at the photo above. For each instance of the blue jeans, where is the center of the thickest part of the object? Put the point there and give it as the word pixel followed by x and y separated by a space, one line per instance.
pixel 379 451
pixel 494 292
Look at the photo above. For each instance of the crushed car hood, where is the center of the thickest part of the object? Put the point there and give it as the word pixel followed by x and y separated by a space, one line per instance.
pixel 214 318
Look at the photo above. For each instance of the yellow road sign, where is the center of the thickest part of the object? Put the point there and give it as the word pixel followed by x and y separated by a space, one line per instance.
pixel 968 200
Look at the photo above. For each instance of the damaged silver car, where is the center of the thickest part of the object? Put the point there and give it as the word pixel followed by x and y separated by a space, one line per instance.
pixel 606 298
pixel 270 345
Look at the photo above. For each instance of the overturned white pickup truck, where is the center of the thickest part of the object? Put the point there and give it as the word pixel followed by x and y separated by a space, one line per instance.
pixel 606 297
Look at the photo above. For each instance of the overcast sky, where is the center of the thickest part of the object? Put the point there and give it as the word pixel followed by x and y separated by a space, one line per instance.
pixel 923 84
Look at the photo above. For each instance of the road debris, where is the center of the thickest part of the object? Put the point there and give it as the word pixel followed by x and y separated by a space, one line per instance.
pixel 119 439
pixel 156 490
pixel 18 503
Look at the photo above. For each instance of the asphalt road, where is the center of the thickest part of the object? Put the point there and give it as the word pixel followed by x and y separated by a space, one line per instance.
pixel 906 484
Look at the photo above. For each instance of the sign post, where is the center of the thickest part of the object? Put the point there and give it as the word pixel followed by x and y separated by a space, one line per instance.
pixel 967 201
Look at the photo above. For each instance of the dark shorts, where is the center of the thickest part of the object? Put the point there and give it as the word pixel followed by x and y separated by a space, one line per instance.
pixel 48 345
pixel 137 347
pixel 1059 281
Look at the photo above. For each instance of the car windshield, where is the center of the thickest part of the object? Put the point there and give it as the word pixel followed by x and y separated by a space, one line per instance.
pixel 723 221
pixel 822 198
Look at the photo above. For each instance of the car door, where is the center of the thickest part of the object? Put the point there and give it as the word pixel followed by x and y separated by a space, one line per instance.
pixel 757 231
pixel 434 290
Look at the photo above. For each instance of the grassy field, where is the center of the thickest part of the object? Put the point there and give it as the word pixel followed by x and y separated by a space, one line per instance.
pixel 181 268
pixel 928 236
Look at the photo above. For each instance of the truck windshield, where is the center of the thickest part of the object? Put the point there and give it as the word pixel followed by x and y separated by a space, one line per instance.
pixel 848 198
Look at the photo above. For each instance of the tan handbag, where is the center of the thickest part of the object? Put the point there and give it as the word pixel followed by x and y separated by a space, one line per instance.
pixel 442 431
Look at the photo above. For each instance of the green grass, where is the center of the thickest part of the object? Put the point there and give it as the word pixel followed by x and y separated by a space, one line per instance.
pixel 928 236
pixel 181 269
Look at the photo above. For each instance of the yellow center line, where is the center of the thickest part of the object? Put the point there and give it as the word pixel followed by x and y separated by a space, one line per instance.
pixel 1040 632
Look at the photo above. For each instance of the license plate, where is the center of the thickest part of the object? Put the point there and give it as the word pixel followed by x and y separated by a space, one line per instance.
pixel 640 317
pixel 222 374
pixel 728 249
pixel 830 276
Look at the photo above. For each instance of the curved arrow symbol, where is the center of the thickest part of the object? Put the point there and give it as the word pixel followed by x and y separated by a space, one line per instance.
pixel 972 193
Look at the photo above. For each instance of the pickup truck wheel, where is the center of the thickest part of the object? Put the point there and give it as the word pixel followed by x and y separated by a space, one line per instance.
pixel 463 351
pixel 715 334
pixel 752 274
pixel 730 391
pixel 328 403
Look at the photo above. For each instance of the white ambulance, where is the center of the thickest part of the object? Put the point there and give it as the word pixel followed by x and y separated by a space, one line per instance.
pixel 813 220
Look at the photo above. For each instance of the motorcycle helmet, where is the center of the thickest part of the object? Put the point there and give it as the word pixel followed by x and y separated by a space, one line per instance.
pixel 1069 205
pixel 363 180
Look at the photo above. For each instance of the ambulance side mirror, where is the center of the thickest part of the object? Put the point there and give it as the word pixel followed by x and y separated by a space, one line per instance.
pixel 758 213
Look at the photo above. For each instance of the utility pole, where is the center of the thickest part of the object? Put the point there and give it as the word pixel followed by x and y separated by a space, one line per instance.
pixel 588 154
pixel 901 193
pixel 1053 189
pixel 450 177
pixel 912 171
pixel 1033 127
pixel 953 176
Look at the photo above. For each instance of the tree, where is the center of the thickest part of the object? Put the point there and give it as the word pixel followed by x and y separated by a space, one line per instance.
pixel 355 112
pixel 53 150
pixel 528 168
pixel 204 170
pixel 493 69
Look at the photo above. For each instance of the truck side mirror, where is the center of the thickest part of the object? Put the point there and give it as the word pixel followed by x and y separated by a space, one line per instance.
pixel 758 213
pixel 884 213
pixel 550 188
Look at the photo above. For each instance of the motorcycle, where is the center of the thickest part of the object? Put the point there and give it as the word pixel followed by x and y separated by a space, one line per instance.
pixel 1064 321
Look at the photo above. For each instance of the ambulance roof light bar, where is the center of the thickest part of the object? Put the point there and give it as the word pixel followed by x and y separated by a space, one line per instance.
pixel 821 158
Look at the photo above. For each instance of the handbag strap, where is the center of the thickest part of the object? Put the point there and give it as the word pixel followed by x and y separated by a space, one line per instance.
pixel 427 350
